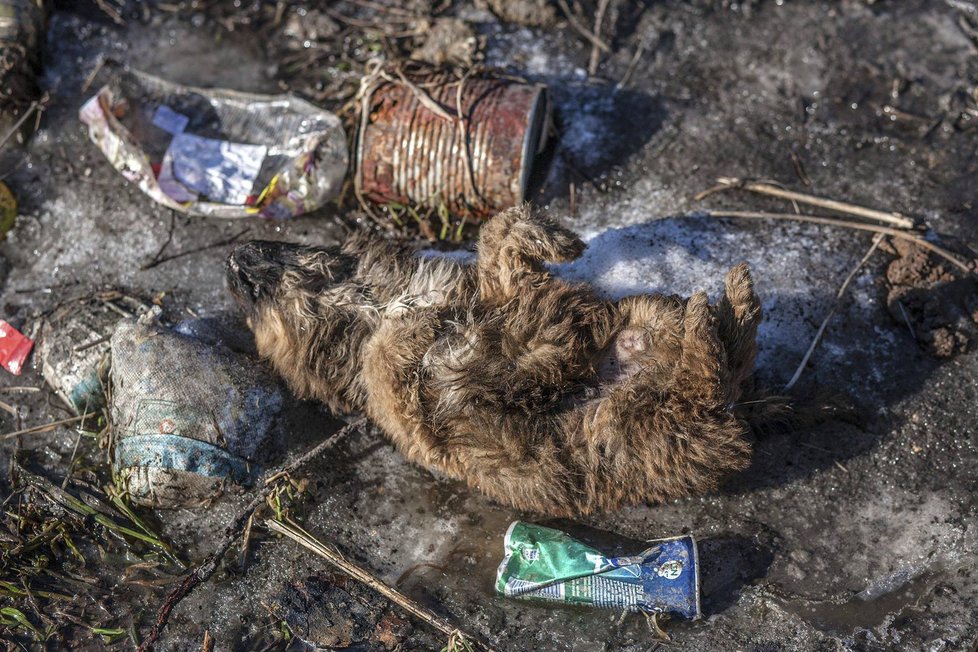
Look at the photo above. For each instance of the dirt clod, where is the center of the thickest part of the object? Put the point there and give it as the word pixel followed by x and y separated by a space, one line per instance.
pixel 449 41
pixel 933 302
pixel 321 611
pixel 391 630
pixel 529 13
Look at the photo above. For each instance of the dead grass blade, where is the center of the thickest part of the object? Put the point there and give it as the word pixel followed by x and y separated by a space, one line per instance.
pixel 76 505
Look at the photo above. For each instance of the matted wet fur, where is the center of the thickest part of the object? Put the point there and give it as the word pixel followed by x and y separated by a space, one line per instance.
pixel 531 389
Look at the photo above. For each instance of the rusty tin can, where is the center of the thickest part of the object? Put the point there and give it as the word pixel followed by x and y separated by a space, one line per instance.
pixel 440 142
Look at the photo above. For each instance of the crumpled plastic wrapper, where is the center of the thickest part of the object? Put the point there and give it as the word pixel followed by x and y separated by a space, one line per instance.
pixel 14 348
pixel 548 565
pixel 192 418
pixel 218 153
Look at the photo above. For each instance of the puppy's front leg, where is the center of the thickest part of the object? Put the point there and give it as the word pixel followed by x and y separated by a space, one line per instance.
pixel 512 248
pixel 392 361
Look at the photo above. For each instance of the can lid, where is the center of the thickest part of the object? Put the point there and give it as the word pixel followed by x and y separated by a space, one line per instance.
pixel 535 137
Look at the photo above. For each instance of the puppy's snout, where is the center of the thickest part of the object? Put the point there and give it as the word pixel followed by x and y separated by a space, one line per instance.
pixel 249 274
pixel 244 256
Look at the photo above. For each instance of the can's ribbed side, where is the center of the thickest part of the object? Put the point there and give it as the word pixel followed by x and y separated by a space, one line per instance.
pixel 474 165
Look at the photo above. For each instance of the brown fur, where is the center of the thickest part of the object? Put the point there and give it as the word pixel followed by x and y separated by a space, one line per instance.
pixel 531 389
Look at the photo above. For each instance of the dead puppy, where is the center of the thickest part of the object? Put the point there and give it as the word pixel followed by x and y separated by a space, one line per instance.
pixel 534 390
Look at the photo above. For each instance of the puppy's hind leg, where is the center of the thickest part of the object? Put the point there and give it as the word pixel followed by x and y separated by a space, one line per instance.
pixel 514 244
pixel 738 316
pixel 703 371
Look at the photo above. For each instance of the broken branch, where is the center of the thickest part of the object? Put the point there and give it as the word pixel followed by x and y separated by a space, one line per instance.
pixel 202 571
pixel 732 183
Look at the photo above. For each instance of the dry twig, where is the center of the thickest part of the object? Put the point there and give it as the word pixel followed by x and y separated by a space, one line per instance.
pixel 732 183
pixel 45 427
pixel 835 306
pixel 111 11
pixel 196 250
pixel 592 66
pixel 92 344
pixel 20 388
pixel 849 224
pixel 36 105
pixel 90 78
pixel 633 63
pixel 292 530
pixel 581 29
pixel 166 243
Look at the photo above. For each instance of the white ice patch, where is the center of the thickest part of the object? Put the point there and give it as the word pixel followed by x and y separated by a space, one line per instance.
pixel 686 255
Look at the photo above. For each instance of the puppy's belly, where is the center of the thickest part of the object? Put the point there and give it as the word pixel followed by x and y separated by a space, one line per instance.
pixel 435 283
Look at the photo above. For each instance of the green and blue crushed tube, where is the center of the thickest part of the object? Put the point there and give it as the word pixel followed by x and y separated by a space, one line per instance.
pixel 546 564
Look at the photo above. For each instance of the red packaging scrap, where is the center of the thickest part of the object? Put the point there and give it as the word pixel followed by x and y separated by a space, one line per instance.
pixel 14 348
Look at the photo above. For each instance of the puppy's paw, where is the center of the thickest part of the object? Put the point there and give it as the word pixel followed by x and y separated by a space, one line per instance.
pixel 517 233
pixel 739 292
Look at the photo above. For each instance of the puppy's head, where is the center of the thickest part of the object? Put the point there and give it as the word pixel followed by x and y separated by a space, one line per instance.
pixel 292 296
pixel 275 276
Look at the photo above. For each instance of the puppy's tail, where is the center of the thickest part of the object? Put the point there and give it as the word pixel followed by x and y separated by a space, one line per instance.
pixel 770 414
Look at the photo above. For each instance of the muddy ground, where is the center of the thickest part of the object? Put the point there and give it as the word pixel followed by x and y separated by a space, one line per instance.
pixel 855 534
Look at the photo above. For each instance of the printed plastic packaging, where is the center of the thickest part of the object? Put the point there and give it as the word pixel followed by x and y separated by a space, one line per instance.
pixel 219 153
